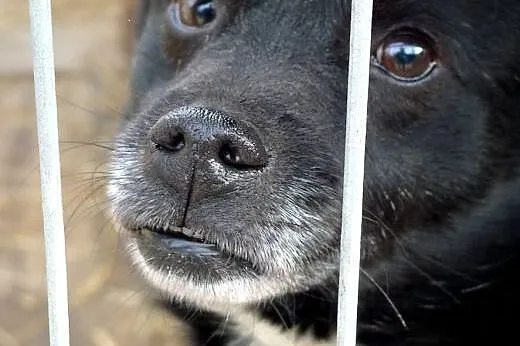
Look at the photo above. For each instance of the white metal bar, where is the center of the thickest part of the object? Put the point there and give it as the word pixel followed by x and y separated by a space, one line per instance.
pixel 357 102
pixel 46 111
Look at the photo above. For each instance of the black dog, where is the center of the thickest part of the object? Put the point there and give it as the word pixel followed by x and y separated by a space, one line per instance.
pixel 227 176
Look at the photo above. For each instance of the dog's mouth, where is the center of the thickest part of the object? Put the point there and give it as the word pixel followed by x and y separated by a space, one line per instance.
pixel 201 267
pixel 180 240
pixel 184 251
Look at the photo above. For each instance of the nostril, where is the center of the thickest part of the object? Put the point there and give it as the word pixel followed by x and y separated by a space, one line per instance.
pixel 177 140
pixel 241 156
pixel 173 139
pixel 230 155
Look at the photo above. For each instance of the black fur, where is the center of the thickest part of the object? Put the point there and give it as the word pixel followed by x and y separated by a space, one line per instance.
pixel 441 228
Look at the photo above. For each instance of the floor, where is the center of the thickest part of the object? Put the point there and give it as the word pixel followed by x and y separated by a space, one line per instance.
pixel 108 305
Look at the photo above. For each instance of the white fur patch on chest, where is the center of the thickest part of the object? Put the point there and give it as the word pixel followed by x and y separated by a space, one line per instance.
pixel 260 332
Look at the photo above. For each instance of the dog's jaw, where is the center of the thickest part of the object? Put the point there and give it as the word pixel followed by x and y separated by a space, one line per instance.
pixel 222 295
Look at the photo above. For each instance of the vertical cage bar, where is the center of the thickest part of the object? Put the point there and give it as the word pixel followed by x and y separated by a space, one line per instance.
pixel 48 141
pixel 357 102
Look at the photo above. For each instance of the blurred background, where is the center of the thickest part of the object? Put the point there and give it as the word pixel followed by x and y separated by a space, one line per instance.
pixel 108 304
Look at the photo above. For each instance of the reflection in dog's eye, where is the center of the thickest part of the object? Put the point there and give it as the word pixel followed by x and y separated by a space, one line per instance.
pixel 406 57
pixel 195 13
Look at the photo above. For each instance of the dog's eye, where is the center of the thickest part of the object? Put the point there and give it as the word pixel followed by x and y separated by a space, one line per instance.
pixel 195 13
pixel 407 56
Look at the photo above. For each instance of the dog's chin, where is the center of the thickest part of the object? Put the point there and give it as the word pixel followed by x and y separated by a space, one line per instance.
pixel 189 270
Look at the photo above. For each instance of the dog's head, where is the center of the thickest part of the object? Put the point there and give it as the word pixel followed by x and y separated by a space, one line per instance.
pixel 227 176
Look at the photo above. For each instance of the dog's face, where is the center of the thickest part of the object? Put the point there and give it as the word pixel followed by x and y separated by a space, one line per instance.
pixel 227 176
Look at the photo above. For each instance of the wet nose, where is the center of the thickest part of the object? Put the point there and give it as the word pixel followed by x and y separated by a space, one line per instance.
pixel 191 141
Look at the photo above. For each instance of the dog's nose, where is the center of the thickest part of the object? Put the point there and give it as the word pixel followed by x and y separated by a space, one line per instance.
pixel 206 143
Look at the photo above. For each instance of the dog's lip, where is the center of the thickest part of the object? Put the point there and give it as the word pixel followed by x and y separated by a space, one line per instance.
pixel 182 243
pixel 181 240
pixel 175 232
pixel 177 242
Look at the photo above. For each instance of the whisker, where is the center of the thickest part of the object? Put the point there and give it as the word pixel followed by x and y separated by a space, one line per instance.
pixel 279 314
pixel 387 297
pixel 406 253
pixel 101 116
pixel 81 144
